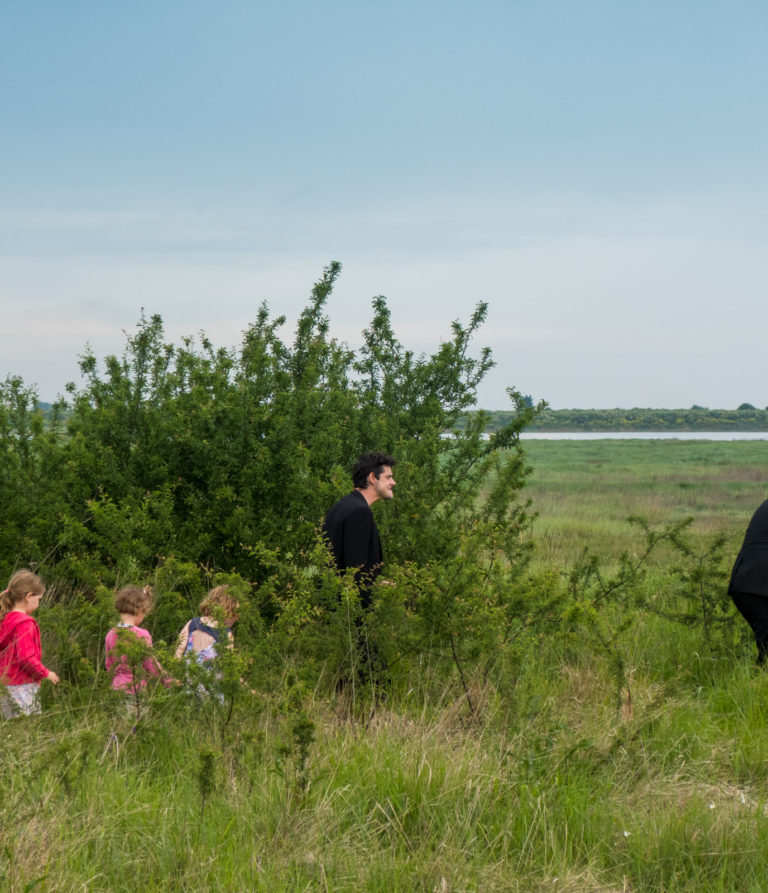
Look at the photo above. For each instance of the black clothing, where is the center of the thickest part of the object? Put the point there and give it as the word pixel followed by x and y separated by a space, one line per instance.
pixel 750 572
pixel 754 609
pixel 196 624
pixel 748 586
pixel 351 532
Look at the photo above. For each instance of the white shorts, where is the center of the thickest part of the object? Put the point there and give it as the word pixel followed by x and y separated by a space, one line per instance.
pixel 20 700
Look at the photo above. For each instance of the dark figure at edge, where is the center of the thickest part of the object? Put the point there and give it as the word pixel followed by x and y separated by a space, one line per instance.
pixel 748 586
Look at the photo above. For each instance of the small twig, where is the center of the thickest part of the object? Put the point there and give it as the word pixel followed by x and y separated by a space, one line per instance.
pixel 461 674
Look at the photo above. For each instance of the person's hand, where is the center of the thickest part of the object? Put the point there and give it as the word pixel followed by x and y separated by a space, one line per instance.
pixel 53 677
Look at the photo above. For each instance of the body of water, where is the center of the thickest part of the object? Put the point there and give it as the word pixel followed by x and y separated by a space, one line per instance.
pixel 644 435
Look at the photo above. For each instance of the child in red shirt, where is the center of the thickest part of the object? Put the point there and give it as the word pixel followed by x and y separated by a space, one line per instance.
pixel 21 668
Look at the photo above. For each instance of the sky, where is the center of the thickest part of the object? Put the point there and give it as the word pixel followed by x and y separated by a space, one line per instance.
pixel 594 171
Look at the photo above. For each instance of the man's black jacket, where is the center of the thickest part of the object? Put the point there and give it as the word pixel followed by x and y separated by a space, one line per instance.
pixel 354 539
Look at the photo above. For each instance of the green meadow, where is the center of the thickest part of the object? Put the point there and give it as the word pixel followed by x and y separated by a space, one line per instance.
pixel 584 491
pixel 550 783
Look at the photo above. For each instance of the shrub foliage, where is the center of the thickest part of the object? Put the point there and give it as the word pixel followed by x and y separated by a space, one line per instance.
pixel 177 463
pixel 188 465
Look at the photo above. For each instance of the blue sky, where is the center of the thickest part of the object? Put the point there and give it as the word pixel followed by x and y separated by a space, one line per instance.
pixel 595 171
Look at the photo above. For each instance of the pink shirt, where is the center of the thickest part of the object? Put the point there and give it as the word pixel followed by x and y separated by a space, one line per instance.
pixel 118 664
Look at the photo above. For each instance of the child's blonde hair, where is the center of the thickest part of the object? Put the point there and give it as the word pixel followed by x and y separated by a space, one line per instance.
pixel 19 586
pixel 221 597
pixel 133 600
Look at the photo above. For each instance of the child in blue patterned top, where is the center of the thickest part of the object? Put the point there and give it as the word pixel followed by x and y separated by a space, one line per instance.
pixel 202 635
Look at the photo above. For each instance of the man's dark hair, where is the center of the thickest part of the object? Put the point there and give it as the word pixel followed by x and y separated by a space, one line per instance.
pixel 367 463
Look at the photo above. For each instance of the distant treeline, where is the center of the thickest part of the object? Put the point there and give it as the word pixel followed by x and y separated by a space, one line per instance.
pixel 697 418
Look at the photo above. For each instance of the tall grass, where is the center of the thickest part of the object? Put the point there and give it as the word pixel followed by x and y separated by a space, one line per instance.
pixel 568 796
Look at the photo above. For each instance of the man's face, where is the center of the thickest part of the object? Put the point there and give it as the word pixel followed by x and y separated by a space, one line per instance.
pixel 384 484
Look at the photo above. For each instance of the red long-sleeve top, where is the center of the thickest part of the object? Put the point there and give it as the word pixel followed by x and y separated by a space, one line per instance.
pixel 20 650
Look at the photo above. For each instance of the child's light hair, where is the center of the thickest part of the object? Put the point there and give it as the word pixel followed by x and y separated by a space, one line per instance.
pixel 220 597
pixel 19 586
pixel 133 600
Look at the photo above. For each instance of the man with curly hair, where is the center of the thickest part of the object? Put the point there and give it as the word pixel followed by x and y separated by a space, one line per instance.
pixel 350 528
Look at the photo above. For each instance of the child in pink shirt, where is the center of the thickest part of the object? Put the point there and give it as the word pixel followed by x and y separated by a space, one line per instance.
pixel 133 605
pixel 21 668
